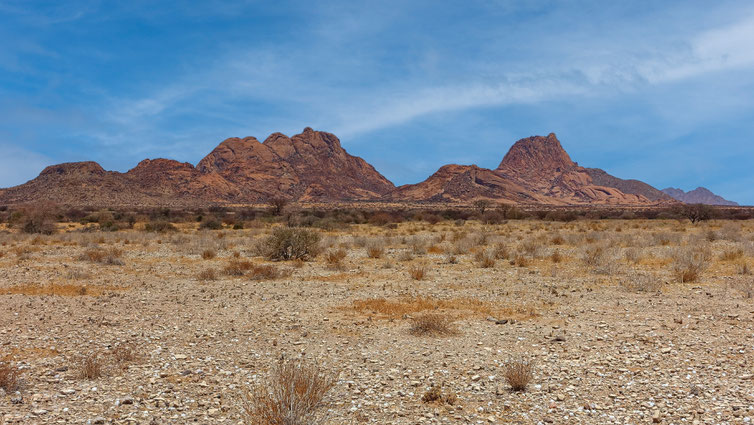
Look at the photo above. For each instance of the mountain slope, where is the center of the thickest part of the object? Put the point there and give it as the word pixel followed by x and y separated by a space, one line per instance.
pixel 700 195
pixel 630 186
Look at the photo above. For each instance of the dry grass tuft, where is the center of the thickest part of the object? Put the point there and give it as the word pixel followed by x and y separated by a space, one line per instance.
pixel 518 374
pixel 690 262
pixel 484 259
pixel 237 267
pixel 732 255
pixel 436 395
pixel 207 275
pixel 209 254
pixel 417 271
pixel 10 379
pixel 520 261
pixel 375 251
pixel 745 287
pixel 641 283
pixel 742 268
pixel 294 395
pixel 556 257
pixel 124 353
pixel 111 257
pixel 432 324
pixel 91 366
pixel 334 259
pixel 267 272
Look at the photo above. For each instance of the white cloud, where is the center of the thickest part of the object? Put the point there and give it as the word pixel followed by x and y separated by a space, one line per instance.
pixel 284 77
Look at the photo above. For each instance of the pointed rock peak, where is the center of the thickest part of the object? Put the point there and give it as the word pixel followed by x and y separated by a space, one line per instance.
pixel 237 141
pixel 317 139
pixel 702 190
pixel 537 153
pixel 275 137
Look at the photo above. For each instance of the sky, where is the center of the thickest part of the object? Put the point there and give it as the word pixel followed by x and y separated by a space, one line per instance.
pixel 661 91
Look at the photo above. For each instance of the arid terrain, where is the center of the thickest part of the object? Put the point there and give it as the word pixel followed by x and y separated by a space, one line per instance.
pixel 621 321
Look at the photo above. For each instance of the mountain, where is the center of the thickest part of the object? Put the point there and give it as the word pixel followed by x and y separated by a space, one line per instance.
pixel 314 167
pixel 699 195
pixel 311 166
pixel 535 170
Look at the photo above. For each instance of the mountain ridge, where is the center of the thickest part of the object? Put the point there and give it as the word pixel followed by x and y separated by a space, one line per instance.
pixel 312 166
pixel 700 195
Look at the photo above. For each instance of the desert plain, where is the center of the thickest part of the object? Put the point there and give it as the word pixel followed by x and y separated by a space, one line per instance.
pixel 614 321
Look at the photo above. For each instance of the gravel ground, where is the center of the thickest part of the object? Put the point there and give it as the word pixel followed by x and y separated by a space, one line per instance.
pixel 601 353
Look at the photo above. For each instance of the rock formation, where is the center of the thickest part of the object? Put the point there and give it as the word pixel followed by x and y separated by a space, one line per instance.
pixel 700 195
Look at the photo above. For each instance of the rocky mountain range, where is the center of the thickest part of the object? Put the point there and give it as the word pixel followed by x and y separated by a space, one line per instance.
pixel 314 167
pixel 700 195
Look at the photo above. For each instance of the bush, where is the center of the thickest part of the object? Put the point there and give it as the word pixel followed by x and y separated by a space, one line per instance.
pixel 160 227
pixel 295 395
pixel 38 224
pixel 690 262
pixel 290 244
pixel 518 374
pixel 431 324
pixel 211 224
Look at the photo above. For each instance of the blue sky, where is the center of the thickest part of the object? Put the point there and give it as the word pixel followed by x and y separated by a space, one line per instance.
pixel 662 91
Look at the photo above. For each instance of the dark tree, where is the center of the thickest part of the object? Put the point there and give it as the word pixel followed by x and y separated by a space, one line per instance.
pixel 481 205
pixel 278 205
pixel 697 212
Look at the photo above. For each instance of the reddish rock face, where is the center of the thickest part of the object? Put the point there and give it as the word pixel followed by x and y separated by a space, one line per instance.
pixel 311 166
pixel 536 170
pixel 537 154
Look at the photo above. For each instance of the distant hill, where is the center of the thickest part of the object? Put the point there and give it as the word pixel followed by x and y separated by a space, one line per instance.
pixel 700 195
